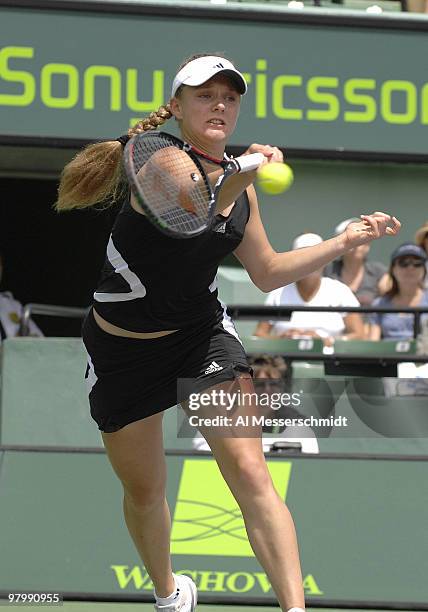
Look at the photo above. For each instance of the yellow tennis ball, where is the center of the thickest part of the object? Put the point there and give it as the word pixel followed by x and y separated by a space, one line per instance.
pixel 275 178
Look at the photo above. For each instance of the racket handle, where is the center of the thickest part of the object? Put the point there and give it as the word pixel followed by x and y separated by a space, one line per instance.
pixel 249 162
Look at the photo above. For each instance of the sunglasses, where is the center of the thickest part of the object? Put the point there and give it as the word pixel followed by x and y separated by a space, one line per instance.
pixel 405 263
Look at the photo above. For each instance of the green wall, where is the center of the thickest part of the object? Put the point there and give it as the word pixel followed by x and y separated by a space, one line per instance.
pixel 316 80
pixel 44 403
pixel 361 527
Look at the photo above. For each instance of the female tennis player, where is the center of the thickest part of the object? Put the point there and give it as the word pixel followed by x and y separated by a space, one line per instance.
pixel 156 318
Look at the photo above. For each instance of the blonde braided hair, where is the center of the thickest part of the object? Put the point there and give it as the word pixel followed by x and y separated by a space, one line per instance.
pixel 153 121
pixel 94 175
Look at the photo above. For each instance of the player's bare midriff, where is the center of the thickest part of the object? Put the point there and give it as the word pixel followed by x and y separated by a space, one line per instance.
pixel 124 333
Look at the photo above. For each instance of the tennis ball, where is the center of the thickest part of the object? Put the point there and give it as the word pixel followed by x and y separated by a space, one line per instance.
pixel 274 178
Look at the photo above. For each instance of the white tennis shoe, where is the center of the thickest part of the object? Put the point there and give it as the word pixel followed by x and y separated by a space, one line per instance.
pixel 186 599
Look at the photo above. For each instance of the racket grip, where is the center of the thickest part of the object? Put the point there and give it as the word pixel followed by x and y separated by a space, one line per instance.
pixel 250 162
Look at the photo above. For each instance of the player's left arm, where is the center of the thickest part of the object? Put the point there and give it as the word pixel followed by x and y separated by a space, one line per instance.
pixel 270 270
pixel 255 251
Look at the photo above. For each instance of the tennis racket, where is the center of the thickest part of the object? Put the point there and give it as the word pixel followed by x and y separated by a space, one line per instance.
pixel 167 178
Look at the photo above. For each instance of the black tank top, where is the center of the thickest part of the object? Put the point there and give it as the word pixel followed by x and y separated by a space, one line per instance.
pixel 151 282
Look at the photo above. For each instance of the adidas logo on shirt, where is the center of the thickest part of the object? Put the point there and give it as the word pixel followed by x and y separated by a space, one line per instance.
pixel 213 367
pixel 221 229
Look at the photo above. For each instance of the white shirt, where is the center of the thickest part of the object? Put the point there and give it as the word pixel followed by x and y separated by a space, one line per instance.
pixel 331 293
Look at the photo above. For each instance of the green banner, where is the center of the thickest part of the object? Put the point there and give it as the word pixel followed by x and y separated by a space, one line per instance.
pixel 312 86
pixel 361 526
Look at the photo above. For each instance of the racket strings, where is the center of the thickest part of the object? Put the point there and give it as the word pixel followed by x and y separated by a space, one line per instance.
pixel 171 184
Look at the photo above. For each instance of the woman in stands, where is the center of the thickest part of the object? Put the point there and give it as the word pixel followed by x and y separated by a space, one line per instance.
pixel 421 239
pixel 156 318
pixel 408 274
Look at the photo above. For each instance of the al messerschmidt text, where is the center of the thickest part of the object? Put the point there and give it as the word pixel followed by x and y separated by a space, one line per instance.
pixel 263 421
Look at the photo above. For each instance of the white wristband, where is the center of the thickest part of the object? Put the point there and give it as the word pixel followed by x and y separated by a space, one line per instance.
pixel 250 162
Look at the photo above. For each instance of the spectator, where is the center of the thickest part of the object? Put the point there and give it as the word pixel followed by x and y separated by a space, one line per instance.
pixel 367 279
pixel 313 290
pixel 273 368
pixel 421 239
pixel 408 273
pixel 11 312
pixel 269 366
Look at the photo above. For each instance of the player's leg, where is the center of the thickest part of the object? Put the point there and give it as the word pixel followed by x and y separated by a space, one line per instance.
pixel 137 456
pixel 134 444
pixel 241 460
pixel 268 521
pixel 125 383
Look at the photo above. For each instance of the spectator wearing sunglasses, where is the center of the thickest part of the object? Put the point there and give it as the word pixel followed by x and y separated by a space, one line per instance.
pixel 408 272
pixel 421 239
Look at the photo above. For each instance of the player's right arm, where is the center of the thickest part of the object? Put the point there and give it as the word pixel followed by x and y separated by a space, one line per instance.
pixel 234 186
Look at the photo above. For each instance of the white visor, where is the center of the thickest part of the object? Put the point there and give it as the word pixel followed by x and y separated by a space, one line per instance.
pixel 203 69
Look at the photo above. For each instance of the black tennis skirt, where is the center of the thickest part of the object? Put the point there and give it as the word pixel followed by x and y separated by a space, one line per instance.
pixel 129 379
